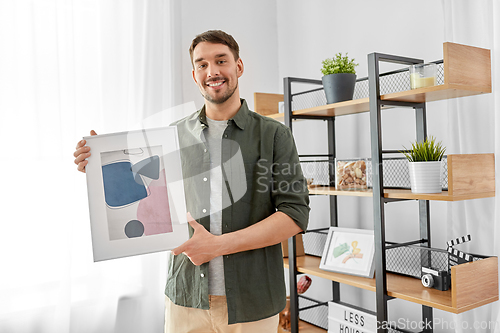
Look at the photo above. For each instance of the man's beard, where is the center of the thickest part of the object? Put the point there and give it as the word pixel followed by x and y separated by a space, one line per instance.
pixel 220 99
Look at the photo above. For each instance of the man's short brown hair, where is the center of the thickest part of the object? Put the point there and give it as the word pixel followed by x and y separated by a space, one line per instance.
pixel 215 37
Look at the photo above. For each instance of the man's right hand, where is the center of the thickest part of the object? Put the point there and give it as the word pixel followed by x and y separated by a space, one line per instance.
pixel 81 154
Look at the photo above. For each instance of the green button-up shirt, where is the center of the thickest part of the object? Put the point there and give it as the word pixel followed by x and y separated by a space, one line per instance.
pixel 262 175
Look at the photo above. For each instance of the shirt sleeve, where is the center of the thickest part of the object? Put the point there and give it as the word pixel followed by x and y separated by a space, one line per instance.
pixel 290 193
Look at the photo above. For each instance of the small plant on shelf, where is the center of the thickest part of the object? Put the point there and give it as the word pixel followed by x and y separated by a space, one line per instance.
pixel 424 164
pixel 339 78
pixel 425 151
pixel 338 64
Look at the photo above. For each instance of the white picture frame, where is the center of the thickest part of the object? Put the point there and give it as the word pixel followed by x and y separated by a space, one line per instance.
pixel 136 193
pixel 349 251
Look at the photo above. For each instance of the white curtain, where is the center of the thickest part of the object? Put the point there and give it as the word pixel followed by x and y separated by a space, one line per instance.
pixel 66 67
pixel 473 127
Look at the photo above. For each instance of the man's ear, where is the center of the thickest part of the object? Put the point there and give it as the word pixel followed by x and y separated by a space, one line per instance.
pixel 239 67
pixel 194 78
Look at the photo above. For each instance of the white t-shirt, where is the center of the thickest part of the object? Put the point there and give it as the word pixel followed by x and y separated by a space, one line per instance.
pixel 213 139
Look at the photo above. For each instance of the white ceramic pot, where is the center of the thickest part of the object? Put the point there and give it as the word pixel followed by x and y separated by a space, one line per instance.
pixel 425 177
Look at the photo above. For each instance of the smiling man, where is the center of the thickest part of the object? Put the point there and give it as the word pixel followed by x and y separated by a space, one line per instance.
pixel 245 193
pixel 229 277
pixel 216 70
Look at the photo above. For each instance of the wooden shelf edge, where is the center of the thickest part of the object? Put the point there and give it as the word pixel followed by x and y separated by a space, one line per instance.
pixel 309 328
pixel 305 328
pixel 276 116
pixel 310 265
pixel 399 286
pixel 476 305
pixel 400 194
pixel 428 94
pixel 436 93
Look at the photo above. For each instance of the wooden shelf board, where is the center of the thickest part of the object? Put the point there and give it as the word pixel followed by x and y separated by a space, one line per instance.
pixel 436 93
pixel 310 265
pixel 277 116
pixel 337 109
pixel 398 286
pixel 305 328
pixel 428 94
pixel 400 194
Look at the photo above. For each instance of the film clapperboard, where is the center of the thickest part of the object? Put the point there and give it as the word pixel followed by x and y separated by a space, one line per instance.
pixel 458 257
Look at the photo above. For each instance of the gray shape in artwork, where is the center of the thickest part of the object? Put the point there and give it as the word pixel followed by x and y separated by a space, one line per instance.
pixel 134 228
pixel 149 167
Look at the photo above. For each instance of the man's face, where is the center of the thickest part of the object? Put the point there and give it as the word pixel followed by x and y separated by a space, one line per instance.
pixel 215 71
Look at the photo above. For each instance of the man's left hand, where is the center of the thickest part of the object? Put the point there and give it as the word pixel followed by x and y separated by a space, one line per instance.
pixel 200 248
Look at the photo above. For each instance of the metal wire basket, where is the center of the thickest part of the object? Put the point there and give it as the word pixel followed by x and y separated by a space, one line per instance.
pixel 395 171
pixel 313 311
pixel 390 82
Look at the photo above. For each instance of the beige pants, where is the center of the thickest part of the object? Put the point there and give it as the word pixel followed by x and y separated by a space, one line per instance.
pixel 180 319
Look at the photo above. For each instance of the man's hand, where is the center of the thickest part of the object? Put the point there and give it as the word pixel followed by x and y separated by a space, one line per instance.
pixel 200 248
pixel 81 153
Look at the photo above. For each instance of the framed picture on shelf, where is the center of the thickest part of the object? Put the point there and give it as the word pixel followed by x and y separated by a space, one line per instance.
pixel 136 193
pixel 349 251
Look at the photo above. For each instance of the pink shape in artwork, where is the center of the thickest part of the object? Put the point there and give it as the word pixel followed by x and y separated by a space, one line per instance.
pixel 154 211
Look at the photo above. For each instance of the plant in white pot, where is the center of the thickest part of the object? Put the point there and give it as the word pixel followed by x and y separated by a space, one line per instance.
pixel 424 164
pixel 339 78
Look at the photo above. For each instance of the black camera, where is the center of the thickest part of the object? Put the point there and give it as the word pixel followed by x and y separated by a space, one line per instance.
pixel 432 278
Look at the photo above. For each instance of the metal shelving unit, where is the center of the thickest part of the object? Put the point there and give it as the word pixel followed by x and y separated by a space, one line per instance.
pixel 384 91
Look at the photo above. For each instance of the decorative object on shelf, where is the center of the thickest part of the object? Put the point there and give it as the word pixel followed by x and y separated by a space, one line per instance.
pixel 303 284
pixel 458 240
pixel 432 278
pixel 350 175
pixel 349 251
pixel 424 164
pixel 285 318
pixel 285 315
pixel 457 257
pixel 339 78
pixel 422 75
pixel 343 318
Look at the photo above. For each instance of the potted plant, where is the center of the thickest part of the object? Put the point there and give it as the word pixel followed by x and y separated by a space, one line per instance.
pixel 339 78
pixel 424 164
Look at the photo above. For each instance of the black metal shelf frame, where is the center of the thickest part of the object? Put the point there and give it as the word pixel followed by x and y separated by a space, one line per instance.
pixel 288 97
pixel 375 104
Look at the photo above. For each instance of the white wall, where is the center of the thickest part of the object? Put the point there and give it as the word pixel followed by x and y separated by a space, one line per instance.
pixel 252 24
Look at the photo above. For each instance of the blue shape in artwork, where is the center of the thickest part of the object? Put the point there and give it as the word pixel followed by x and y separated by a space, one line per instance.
pixel 149 167
pixel 120 188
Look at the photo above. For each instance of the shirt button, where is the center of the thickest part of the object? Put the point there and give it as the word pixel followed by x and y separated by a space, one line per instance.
pixel 204 210
pixel 205 150
pixel 202 275
pixel 205 179
pixel 225 135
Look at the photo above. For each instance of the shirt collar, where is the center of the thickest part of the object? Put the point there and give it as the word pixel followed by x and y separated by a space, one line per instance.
pixel 240 118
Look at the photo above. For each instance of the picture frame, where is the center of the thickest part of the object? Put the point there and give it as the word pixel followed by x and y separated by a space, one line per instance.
pixel 349 251
pixel 136 193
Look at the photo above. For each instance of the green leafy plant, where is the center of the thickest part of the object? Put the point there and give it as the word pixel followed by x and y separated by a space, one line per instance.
pixel 338 64
pixel 427 150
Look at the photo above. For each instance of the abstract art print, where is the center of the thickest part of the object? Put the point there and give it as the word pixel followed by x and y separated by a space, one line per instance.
pixel 349 251
pixel 136 193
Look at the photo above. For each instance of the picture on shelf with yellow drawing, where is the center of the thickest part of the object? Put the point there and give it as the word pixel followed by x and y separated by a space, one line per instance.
pixel 349 251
